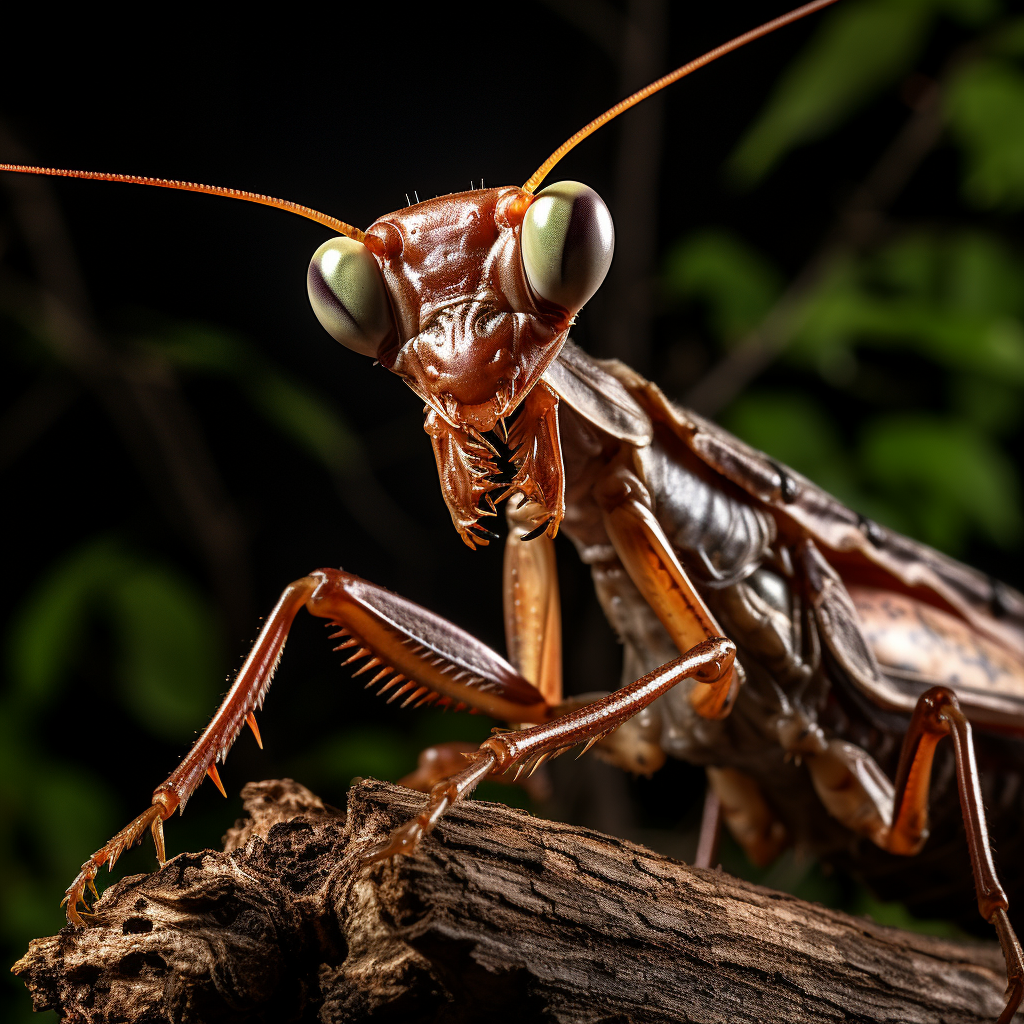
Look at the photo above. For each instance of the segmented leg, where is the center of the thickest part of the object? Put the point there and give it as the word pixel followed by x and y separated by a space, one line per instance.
pixel 533 618
pixel 247 693
pixel 648 557
pixel 441 761
pixel 533 635
pixel 751 822
pixel 417 655
pixel 710 830
pixel 527 749
pixel 937 715
pixel 150 818
pixel 444 760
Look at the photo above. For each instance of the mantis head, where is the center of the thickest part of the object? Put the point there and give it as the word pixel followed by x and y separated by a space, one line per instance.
pixel 469 298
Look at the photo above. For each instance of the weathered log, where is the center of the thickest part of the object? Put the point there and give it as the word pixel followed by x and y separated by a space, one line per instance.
pixel 501 916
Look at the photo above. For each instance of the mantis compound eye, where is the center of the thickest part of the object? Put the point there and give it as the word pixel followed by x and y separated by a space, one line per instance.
pixel 347 293
pixel 567 243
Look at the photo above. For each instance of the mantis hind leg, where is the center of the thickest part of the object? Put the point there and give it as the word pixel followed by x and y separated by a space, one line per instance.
pixel 416 654
pixel 936 716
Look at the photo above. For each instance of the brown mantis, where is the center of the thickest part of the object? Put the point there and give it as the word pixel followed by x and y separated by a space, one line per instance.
pixel 756 610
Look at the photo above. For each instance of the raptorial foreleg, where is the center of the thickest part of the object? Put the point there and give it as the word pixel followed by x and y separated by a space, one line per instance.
pixel 417 656
pixel 237 708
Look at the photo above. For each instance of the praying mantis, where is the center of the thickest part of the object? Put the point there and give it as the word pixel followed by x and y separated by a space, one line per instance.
pixel 764 623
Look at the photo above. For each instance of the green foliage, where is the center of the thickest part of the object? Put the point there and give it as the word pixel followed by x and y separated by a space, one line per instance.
pixel 983 100
pixel 949 478
pixel 160 637
pixel 1009 40
pixel 858 50
pixel 385 753
pixel 794 428
pixel 165 637
pixel 735 283
pixel 952 299
pixel 955 302
pixel 861 49
pixel 293 408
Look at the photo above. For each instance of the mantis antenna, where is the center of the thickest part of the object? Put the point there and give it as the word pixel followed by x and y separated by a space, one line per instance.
pixel 531 185
pixel 649 90
pixel 190 186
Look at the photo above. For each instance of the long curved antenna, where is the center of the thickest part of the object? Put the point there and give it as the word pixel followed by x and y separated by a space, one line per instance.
pixel 649 90
pixel 190 186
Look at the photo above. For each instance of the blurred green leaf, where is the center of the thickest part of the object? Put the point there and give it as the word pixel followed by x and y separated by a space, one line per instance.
pixel 955 479
pixel 737 284
pixel 908 265
pixel 980 274
pixel 1009 38
pixel 165 634
pixel 68 810
pixel 985 104
pixel 307 419
pixel 859 49
pixel 386 753
pixel 992 406
pixel 46 636
pixel 953 301
pixel 169 660
pixel 970 12
pixel 381 753
pixel 895 915
pixel 204 349
pixel 995 348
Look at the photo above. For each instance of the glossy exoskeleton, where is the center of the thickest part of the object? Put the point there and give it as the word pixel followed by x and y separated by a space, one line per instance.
pixel 812 660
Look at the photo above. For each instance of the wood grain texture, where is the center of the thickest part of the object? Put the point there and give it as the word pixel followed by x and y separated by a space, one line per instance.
pixel 501 916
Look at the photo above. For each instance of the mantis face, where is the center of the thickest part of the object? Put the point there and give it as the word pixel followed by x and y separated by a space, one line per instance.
pixel 469 298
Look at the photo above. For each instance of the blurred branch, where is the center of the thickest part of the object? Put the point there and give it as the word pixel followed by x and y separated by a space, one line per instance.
pixel 637 44
pixel 624 326
pixel 859 223
pixel 597 19
pixel 32 415
pixel 142 399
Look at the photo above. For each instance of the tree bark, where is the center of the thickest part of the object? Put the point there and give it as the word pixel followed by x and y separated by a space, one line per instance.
pixel 500 916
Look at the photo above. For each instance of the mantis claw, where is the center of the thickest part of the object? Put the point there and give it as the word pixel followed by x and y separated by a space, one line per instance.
pixel 406 837
pixel 157 830
pixel 108 854
pixel 402 842
pixel 75 895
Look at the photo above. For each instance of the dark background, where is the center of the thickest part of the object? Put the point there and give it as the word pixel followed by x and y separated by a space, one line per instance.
pixel 125 458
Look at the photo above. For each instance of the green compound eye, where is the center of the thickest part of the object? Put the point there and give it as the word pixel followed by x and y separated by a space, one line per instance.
pixel 567 243
pixel 348 295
